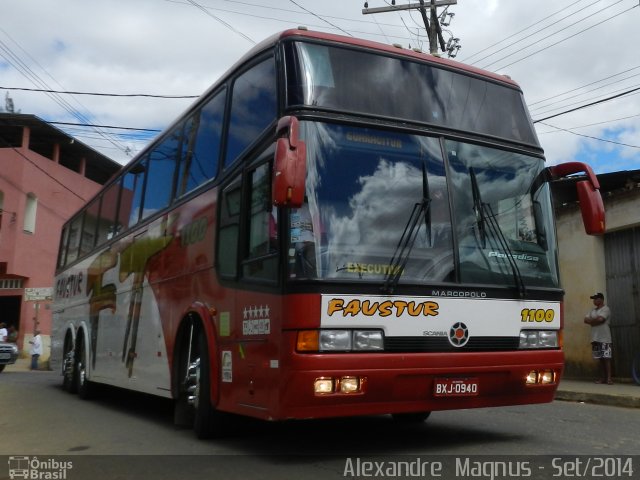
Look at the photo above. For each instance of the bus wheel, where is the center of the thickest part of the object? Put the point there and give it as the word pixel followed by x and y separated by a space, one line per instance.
pixel 207 422
pixel 83 385
pixel 417 417
pixel 68 372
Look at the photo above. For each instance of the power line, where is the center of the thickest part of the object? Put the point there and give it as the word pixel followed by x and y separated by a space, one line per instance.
pixel 560 41
pixel 588 105
pixel 104 126
pixel 466 60
pixel 546 109
pixel 592 137
pixel 587 85
pixel 319 17
pixel 590 124
pixel 66 92
pixel 218 19
pixel 16 62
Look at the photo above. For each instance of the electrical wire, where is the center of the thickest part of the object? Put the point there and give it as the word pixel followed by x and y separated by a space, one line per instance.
pixel 219 20
pixel 561 40
pixel 319 17
pixel 590 136
pixel 66 92
pixel 597 102
pixel 531 34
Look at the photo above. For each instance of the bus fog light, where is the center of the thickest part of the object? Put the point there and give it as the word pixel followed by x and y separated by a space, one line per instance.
pixel 323 385
pixel 532 377
pixel 547 376
pixel 349 384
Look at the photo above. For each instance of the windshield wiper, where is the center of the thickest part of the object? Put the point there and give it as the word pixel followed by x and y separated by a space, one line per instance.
pixel 408 239
pixel 477 207
pixel 484 217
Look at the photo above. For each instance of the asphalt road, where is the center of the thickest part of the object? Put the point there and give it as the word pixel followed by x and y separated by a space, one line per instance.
pixel 125 435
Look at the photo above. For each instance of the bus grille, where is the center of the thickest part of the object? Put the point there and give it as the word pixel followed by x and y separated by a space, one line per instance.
pixel 441 344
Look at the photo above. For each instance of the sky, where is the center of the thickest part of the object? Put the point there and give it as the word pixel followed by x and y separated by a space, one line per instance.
pixel 565 54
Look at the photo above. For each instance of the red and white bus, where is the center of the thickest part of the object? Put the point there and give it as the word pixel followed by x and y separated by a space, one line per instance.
pixel 336 227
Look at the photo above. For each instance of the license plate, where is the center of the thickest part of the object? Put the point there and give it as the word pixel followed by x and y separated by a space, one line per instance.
pixel 455 387
pixel 5 356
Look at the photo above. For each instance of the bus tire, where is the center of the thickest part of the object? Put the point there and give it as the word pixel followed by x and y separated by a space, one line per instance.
pixel 207 421
pixel 410 418
pixel 83 385
pixel 68 367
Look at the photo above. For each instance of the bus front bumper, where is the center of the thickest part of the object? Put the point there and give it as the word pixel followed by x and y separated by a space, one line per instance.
pixel 333 385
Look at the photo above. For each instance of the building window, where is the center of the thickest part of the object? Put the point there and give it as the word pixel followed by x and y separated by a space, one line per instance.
pixel 30 213
pixel 10 283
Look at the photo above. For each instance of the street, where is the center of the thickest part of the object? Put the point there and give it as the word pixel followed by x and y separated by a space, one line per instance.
pixel 40 419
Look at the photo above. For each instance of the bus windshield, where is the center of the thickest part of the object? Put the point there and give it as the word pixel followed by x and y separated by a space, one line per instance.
pixel 362 189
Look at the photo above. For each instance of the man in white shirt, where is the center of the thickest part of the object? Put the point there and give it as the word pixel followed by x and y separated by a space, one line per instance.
pixel 36 349
pixel 3 332
pixel 601 346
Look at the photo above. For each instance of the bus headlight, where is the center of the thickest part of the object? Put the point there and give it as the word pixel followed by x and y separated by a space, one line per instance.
pixel 367 340
pixel 538 339
pixel 334 340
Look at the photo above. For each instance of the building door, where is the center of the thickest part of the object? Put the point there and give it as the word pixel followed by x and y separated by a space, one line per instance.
pixel 10 310
pixel 622 262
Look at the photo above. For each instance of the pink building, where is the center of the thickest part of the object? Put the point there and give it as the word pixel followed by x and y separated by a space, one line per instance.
pixel 45 176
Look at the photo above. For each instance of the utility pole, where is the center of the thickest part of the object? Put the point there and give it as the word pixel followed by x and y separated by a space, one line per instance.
pixel 431 22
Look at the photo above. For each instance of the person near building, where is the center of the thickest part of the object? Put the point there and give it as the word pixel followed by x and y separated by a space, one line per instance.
pixel 3 332
pixel 12 336
pixel 36 349
pixel 599 318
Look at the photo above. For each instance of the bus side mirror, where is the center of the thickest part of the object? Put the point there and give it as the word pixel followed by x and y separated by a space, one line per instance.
pixel 588 190
pixel 290 165
pixel 591 207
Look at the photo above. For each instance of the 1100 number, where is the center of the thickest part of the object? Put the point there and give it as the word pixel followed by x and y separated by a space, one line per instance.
pixel 537 315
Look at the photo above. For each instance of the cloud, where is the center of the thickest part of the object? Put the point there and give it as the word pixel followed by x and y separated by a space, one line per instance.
pixel 174 48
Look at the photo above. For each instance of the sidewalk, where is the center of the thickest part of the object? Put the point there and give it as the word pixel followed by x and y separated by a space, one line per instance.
pixel 619 394
pixel 24 365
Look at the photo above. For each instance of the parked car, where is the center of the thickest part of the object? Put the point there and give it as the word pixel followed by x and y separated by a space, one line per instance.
pixel 8 354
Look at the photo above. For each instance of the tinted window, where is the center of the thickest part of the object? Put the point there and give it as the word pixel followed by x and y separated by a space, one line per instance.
pixel 74 239
pixel 229 229
pixel 253 107
pixel 201 152
pixel 263 235
pixel 131 196
pixel 345 79
pixel 89 228
pixel 109 225
pixel 62 254
pixel 160 173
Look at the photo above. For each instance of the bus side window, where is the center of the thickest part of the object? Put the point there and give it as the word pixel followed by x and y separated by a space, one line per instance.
pixel 201 145
pixel 161 168
pixel 131 194
pixel 64 240
pixel 89 228
pixel 74 238
pixel 229 226
pixel 109 226
pixel 254 107
pixel 262 227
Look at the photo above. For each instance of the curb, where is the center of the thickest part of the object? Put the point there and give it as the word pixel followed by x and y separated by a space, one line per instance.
pixel 619 400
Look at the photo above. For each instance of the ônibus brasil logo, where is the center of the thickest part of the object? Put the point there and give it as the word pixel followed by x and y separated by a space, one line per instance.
pixel 32 468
